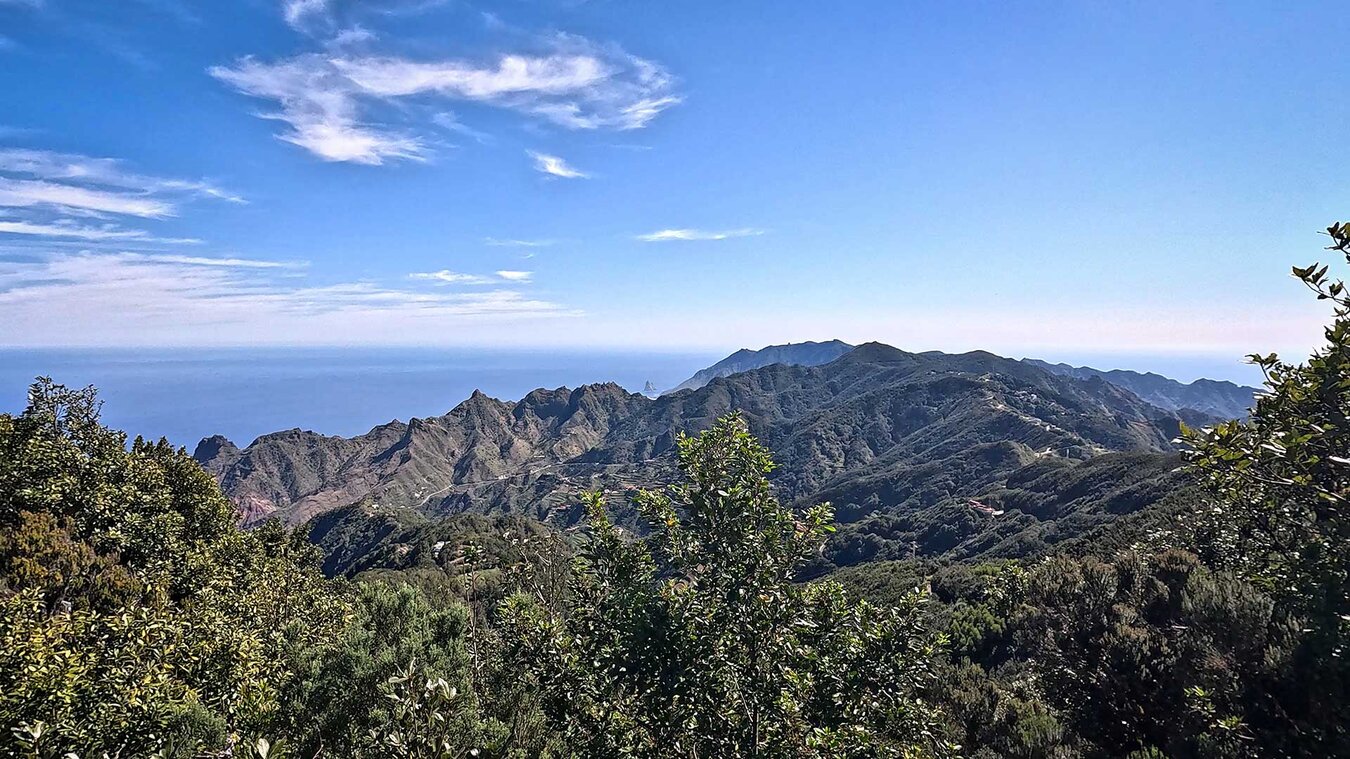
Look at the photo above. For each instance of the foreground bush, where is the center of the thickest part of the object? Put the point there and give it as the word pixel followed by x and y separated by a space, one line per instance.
pixel 1279 517
pixel 697 642
pixel 134 617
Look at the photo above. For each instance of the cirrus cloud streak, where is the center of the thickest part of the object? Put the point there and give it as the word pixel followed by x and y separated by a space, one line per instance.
pixel 136 298
pixel 554 166
pixel 691 235
pixel 447 277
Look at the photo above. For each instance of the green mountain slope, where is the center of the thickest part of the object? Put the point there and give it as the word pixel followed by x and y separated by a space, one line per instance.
pixel 898 441
pixel 1045 504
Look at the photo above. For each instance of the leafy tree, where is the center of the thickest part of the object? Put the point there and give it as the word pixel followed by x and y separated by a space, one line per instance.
pixel 148 506
pixel 696 641
pixel 1147 652
pixel 370 689
pixel 1280 492
pixel 39 551
pixel 1241 652
pixel 1002 716
pixel 134 617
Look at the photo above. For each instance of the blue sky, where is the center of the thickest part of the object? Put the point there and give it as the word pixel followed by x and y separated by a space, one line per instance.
pixel 1050 179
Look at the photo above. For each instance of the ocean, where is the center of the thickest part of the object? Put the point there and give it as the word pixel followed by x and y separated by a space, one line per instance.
pixel 187 394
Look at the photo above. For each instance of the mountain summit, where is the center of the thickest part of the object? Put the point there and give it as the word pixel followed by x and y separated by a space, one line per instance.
pixel 743 360
pixel 920 428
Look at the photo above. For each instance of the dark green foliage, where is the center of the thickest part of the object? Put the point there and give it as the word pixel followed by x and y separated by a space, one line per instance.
pixel 1049 503
pixel 365 536
pixel 998 717
pixel 1084 657
pixel 696 641
pixel 138 619
pixel 1123 647
pixel 150 506
pixel 1280 487
pixel 337 700
pixel 39 552
pixel 476 559
pixel 133 616
pixel 886 582
pixel 1236 649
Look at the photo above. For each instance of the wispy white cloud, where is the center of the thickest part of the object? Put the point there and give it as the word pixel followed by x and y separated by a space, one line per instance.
pixel 447 277
pixel 298 13
pixel 508 243
pixel 671 235
pixel 28 193
pixel 451 123
pixel 68 230
pixel 555 166
pixel 328 101
pixel 353 36
pixel 324 17
pixel 509 75
pixel 138 298
pixel 67 280
pixel 321 108
pixel 64 228
pixel 44 181
pixel 229 263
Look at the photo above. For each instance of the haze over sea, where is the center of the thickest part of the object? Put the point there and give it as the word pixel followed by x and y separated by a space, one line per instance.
pixel 185 394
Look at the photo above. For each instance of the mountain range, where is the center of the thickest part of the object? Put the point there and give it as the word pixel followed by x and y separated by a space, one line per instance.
pixel 1214 397
pixel 898 441
pixel 1218 398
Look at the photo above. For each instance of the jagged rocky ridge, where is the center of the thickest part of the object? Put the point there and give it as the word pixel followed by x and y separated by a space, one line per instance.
pixel 878 431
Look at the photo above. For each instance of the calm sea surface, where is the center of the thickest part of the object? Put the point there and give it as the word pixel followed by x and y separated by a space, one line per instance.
pixel 187 394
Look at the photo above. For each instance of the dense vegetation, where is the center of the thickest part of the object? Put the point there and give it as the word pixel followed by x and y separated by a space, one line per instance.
pixel 137 620
pixel 1210 625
